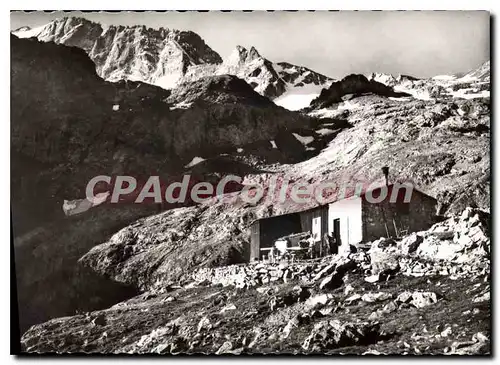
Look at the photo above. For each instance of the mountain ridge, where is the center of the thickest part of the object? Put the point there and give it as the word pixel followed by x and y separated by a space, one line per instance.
pixel 167 58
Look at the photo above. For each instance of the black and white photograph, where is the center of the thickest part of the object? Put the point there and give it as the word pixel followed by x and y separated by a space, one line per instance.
pixel 251 182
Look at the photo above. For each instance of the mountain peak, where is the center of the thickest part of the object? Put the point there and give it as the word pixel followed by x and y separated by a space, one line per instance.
pixel 242 55
pixel 253 54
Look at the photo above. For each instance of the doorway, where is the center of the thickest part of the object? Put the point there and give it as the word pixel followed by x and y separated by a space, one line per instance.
pixel 336 235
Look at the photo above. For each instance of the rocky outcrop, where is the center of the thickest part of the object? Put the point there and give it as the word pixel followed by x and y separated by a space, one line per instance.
pixel 225 89
pixel 352 85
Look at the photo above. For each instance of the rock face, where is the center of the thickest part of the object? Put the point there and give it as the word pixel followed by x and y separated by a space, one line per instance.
pixel 159 57
pixel 169 57
pixel 225 89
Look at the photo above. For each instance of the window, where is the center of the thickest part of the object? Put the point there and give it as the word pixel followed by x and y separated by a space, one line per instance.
pixel 316 228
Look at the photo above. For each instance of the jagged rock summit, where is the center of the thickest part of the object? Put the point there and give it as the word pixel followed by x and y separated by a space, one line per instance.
pixel 156 56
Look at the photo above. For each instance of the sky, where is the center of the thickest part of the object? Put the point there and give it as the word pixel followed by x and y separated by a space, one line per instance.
pixel 417 43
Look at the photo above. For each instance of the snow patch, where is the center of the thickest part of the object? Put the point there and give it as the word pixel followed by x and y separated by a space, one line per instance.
pixel 416 93
pixel 28 33
pixel 325 131
pixel 324 113
pixel 116 107
pixel 305 140
pixel 77 206
pixel 462 93
pixel 444 77
pixel 400 99
pixel 296 98
pixel 273 144
pixel 181 105
pixel 348 105
pixel 239 150
pixel 194 161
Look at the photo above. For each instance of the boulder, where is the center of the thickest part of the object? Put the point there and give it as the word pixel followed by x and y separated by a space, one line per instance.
pixel 410 243
pixel 353 298
pixel 404 297
pixel 384 260
pixel 333 334
pixel 372 278
pixel 376 297
pixel 423 299
pixel 294 322
pixel 318 301
pixel 204 324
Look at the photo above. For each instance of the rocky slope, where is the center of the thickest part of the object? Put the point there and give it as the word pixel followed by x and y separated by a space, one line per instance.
pixel 168 57
pixel 398 298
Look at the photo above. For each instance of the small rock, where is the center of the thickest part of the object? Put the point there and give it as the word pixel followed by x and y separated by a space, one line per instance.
pixel 390 307
pixel 410 243
pixel 225 348
pixel 204 324
pixel 100 320
pixel 348 289
pixel 372 278
pixel 229 307
pixel 480 337
pixel 290 326
pixel 446 332
pixel 404 297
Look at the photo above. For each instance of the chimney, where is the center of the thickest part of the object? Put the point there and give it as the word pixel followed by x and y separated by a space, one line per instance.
pixel 385 171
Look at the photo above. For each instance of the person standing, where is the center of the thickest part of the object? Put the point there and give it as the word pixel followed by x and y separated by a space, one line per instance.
pixel 326 245
pixel 310 242
pixel 334 248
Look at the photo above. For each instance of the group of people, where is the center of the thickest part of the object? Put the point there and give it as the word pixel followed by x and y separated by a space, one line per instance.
pixel 326 246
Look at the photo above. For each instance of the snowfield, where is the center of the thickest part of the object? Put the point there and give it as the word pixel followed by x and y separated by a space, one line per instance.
pixel 296 98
